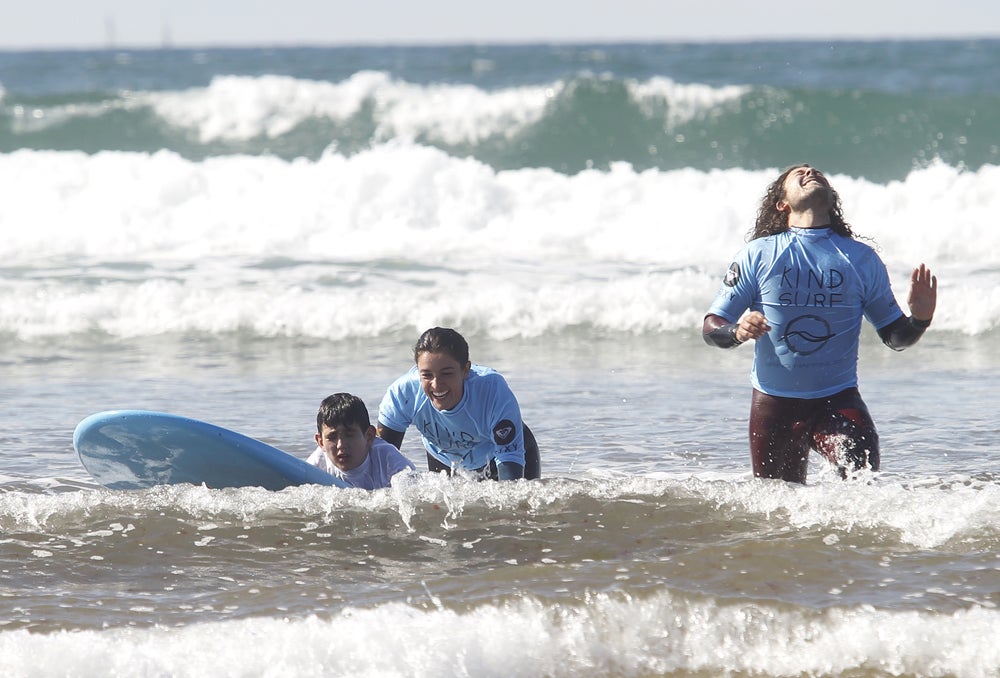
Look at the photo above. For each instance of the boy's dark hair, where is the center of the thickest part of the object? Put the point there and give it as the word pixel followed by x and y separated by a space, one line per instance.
pixel 340 409
pixel 442 340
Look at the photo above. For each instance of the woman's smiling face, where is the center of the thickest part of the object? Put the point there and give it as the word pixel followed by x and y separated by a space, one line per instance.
pixel 442 379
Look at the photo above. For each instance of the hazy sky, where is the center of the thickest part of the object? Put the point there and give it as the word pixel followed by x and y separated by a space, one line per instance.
pixel 121 23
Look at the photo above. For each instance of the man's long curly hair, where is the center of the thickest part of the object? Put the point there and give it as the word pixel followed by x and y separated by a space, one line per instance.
pixel 771 221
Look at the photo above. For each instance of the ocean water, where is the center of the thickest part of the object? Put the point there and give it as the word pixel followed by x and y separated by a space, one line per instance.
pixel 234 234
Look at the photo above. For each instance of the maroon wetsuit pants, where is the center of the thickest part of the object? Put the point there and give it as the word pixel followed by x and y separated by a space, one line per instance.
pixel 783 430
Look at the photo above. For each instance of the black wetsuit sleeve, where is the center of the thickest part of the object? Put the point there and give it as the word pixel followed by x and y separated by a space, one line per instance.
pixel 723 336
pixel 903 332
pixel 390 436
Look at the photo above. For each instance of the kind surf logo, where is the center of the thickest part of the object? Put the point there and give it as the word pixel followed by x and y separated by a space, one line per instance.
pixel 807 334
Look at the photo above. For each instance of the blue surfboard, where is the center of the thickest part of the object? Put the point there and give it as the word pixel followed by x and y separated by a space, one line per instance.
pixel 137 449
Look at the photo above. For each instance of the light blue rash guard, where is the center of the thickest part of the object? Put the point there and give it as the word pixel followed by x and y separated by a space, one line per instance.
pixel 485 425
pixel 813 286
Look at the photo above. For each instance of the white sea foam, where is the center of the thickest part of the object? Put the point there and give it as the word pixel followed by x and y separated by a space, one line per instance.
pixel 931 513
pixel 240 107
pixel 609 635
pixel 235 107
pixel 684 102
pixel 927 515
pixel 405 236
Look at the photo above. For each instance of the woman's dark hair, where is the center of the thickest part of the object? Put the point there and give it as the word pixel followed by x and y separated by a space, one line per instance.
pixel 770 220
pixel 442 340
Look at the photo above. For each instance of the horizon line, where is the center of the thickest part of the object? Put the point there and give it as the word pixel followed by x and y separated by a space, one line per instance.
pixel 495 42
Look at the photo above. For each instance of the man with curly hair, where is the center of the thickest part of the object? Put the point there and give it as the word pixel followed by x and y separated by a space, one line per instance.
pixel 800 288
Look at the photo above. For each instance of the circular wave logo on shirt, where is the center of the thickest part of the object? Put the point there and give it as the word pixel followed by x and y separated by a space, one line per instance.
pixel 732 275
pixel 503 432
pixel 807 334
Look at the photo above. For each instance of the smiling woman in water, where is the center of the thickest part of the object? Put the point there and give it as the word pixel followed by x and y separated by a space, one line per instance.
pixel 467 415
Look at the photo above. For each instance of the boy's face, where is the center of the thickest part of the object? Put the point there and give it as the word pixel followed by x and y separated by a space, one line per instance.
pixel 346 445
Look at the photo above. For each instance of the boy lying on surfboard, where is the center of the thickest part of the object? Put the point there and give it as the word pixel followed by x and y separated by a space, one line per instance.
pixel 348 447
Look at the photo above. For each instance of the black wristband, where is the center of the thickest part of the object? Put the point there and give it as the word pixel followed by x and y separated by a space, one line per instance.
pixel 922 324
pixel 732 333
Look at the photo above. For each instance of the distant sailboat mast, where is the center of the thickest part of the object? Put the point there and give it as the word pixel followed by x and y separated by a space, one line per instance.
pixel 166 37
pixel 109 32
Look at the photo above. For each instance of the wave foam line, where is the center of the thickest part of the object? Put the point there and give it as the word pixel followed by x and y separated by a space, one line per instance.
pixel 930 514
pixel 120 237
pixel 606 635
pixel 241 108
